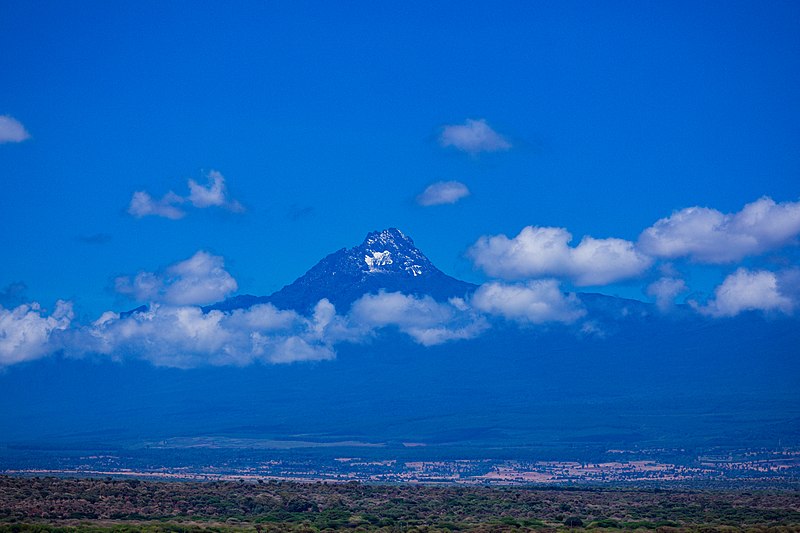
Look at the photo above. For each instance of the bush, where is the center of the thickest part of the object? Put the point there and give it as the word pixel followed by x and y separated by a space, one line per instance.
pixel 573 521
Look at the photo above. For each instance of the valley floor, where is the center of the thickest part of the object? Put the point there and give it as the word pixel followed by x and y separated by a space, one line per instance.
pixel 215 459
pixel 56 504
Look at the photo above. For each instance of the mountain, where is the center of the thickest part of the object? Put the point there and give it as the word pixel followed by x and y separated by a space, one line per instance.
pixel 386 260
pixel 625 376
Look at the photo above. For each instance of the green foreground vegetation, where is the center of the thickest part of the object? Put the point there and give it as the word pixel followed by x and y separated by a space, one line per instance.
pixel 67 505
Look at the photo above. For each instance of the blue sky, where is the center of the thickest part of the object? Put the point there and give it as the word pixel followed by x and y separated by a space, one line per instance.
pixel 327 121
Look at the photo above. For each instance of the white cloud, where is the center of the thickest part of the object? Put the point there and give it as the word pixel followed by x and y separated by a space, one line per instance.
pixel 175 332
pixel 544 252
pixel 443 192
pixel 214 194
pixel 263 317
pixel 536 302
pixel 11 130
pixel 473 136
pixel 26 332
pixel 201 279
pixel 709 236
pixel 144 205
pixel 427 321
pixel 747 290
pixel 293 349
pixel 185 336
pixel 665 290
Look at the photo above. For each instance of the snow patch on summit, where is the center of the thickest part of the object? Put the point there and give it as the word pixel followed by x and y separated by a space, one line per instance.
pixel 377 260
pixel 391 251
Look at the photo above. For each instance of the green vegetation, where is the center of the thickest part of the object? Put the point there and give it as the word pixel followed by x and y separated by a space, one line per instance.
pixel 105 505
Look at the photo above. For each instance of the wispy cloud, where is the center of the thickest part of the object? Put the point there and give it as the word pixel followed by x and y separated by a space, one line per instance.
pixel 545 252
pixel 442 192
pixel 710 236
pixel 473 136
pixel 11 130
pixel 213 194
pixel 144 205
pixel 665 290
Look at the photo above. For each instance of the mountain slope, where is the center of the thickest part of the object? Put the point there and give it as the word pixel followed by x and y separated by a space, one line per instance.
pixel 386 260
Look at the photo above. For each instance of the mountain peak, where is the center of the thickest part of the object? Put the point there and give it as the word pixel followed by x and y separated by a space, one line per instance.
pixel 387 251
pixel 386 260
pixel 387 236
